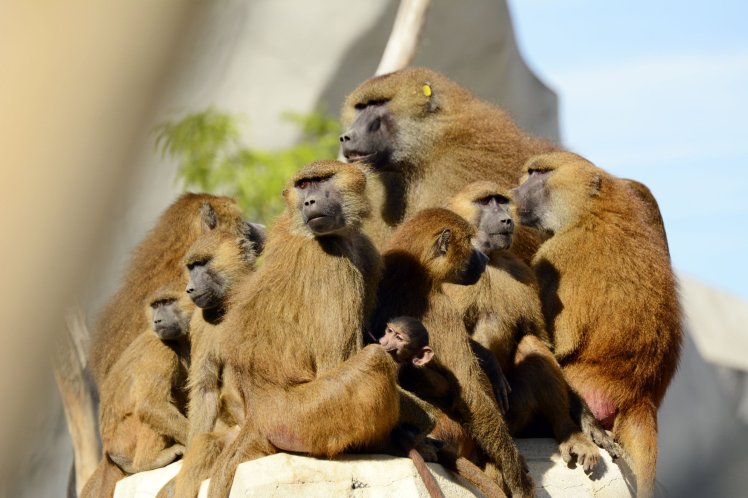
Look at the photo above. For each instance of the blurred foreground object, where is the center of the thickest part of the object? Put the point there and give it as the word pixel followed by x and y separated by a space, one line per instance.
pixel 78 82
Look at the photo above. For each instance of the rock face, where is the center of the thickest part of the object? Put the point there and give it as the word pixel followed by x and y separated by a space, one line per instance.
pixel 374 476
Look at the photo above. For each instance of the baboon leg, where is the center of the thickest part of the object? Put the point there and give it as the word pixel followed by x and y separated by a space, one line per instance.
pixel 636 429
pixel 248 445
pixel 540 385
pixel 198 463
pixel 102 482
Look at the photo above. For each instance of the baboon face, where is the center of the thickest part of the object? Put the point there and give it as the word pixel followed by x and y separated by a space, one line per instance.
pixel 407 340
pixel 169 322
pixel 206 287
pixel 557 190
pixel 320 205
pixel 384 118
pixel 532 198
pixel 327 198
pixel 495 224
pixel 370 137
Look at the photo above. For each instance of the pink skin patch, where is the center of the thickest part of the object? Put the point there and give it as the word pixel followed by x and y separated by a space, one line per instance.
pixel 601 407
pixel 283 438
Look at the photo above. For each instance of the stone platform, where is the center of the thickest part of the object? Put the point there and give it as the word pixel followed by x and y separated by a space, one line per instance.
pixel 381 476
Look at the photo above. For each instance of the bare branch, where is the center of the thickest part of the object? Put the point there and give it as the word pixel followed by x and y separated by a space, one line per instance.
pixel 403 43
pixel 77 399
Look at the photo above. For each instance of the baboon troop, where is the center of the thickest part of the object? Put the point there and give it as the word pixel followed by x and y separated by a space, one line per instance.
pixel 454 284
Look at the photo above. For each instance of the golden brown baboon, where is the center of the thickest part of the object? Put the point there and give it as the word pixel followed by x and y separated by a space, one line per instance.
pixel 502 312
pixel 430 249
pixel 608 295
pixel 156 262
pixel 215 262
pixel 296 327
pixel 144 398
pixel 426 137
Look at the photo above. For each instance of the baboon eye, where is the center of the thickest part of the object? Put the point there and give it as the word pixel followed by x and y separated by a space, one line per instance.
pixel 197 263
pixel 303 184
pixel 370 103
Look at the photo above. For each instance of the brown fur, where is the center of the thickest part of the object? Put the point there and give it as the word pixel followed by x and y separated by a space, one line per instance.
pixel 156 262
pixel 442 143
pixel 502 312
pixel 609 299
pixel 143 404
pixel 296 337
pixel 412 285
pixel 215 406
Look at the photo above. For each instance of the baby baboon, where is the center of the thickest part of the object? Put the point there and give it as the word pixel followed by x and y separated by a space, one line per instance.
pixel 155 263
pixel 407 340
pixel 430 249
pixel 215 262
pixel 143 399
pixel 608 296
pixel 296 328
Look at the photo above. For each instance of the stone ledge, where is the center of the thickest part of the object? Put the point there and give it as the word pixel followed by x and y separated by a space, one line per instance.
pixel 374 476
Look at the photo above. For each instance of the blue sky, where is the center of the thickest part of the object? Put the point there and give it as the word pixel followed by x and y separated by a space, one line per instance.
pixel 657 91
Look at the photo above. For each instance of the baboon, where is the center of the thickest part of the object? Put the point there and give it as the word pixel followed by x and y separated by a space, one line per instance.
pixel 144 398
pixel 608 297
pixel 215 262
pixel 502 312
pixel 428 250
pixel 296 330
pixel 156 262
pixel 407 340
pixel 425 138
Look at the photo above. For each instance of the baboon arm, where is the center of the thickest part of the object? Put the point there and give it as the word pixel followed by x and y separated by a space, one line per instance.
pixel 205 396
pixel 165 419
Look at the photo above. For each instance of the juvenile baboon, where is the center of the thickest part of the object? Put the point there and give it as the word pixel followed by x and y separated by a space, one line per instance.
pixel 426 137
pixel 215 263
pixel 296 330
pixel 608 295
pixel 502 312
pixel 144 398
pixel 430 249
pixel 156 262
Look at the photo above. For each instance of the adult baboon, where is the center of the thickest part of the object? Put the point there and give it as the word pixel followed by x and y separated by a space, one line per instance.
pixel 297 330
pixel 608 295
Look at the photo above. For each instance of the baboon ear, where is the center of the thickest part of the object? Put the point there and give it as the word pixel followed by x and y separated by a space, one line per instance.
pixel 442 242
pixel 208 217
pixel 596 185
pixel 423 356
pixel 255 234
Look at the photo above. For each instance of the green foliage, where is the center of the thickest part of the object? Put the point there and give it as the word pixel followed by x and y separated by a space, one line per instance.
pixel 211 157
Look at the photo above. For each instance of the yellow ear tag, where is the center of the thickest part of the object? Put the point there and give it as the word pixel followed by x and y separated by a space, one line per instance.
pixel 427 90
